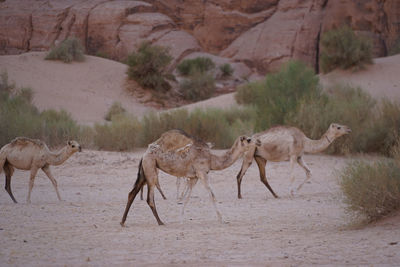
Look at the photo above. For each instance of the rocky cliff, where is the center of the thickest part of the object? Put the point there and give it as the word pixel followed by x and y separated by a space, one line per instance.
pixel 261 34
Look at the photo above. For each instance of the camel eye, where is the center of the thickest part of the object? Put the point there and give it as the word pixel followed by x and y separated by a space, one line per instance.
pixel 73 145
pixel 338 128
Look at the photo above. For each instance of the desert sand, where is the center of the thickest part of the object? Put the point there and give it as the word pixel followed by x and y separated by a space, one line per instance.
pixel 311 228
pixel 84 230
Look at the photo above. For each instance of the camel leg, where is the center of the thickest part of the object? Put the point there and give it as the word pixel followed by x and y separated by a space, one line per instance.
pixel 186 194
pixel 178 185
pixel 139 184
pixel 301 162
pixel 34 171
pixel 151 175
pixel 291 187
pixel 189 184
pixel 203 177
pixel 8 170
pixel 245 165
pixel 141 192
pixel 152 204
pixel 46 170
pixel 261 168
pixel 159 190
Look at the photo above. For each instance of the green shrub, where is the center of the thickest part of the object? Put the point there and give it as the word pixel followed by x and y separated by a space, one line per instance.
pixel 220 127
pixel 5 86
pixel 375 126
pixel 68 50
pixel 247 94
pixel 148 66
pixel 119 135
pixel 57 127
pixel 385 128
pixel 371 190
pixel 226 70
pixel 197 87
pixel 115 109
pixel 196 65
pixel 343 104
pixel 279 95
pixel 394 48
pixel 19 117
pixel 342 48
pixel 153 125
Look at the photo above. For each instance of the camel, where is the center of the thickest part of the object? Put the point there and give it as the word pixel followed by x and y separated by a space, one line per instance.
pixel 282 143
pixel 188 186
pixel 182 155
pixel 32 154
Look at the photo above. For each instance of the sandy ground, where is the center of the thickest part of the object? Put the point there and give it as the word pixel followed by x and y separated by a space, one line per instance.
pixel 83 230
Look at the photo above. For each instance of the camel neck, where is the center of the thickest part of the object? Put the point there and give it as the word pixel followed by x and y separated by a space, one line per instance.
pixel 315 146
pixel 224 161
pixel 58 157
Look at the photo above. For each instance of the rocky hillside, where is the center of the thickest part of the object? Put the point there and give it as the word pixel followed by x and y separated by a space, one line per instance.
pixel 256 35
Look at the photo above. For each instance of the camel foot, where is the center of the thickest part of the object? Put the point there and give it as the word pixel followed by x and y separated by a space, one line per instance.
pixel 122 224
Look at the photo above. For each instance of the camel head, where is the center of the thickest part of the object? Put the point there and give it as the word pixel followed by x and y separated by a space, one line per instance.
pixel 336 130
pixel 73 147
pixel 244 143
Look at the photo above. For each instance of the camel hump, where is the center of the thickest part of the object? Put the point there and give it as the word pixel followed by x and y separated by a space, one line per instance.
pixel 174 140
pixel 24 141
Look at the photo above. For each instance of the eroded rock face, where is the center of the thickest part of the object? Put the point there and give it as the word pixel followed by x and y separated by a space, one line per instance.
pixel 262 34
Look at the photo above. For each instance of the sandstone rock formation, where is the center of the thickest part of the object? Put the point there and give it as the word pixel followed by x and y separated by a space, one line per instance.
pixel 259 33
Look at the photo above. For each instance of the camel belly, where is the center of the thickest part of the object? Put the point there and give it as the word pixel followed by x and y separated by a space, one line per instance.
pixel 18 163
pixel 22 162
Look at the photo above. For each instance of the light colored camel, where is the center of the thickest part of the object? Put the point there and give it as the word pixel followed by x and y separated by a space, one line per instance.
pixel 188 186
pixel 282 143
pixel 31 154
pixel 181 155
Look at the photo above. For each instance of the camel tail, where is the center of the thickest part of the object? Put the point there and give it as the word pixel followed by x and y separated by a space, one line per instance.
pixel 2 160
pixel 140 181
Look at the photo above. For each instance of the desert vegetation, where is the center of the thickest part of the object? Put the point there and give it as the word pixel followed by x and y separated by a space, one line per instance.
pixel 24 119
pixel 226 70
pixel 198 83
pixel 148 66
pixel 115 110
pixel 294 97
pixel 371 190
pixel 342 48
pixel 67 51
pixel 200 64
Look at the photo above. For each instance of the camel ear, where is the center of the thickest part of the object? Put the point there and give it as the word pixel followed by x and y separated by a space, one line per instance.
pixel 69 143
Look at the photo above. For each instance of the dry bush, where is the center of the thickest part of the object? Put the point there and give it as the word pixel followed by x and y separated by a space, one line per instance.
pixel 371 190
pixel 115 109
pixel 198 86
pixel 119 135
pixel 68 50
pixel 342 48
pixel 148 66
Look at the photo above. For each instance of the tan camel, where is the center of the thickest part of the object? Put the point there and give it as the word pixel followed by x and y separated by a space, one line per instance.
pixel 31 154
pixel 282 143
pixel 181 155
pixel 188 186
